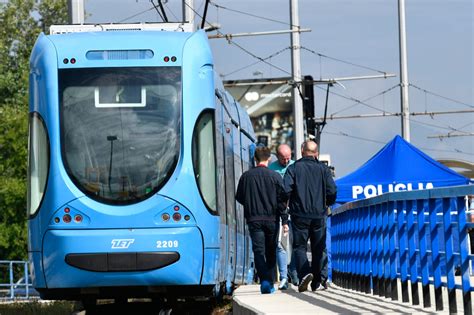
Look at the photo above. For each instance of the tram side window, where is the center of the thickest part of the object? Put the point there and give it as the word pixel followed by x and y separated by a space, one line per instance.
pixel 252 148
pixel 204 160
pixel 38 163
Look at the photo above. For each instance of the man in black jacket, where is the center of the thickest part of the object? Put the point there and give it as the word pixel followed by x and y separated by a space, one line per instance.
pixel 261 192
pixel 311 188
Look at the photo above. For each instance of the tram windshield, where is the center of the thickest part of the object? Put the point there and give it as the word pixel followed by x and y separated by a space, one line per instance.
pixel 120 129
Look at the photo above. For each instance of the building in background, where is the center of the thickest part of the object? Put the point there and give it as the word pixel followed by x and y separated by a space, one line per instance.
pixel 270 107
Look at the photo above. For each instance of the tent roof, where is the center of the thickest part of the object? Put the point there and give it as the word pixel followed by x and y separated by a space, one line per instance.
pixel 398 162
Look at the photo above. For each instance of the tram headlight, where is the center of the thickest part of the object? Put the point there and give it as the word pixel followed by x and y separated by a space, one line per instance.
pixel 165 217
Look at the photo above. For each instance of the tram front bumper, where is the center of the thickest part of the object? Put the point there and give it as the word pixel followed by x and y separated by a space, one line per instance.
pixel 118 257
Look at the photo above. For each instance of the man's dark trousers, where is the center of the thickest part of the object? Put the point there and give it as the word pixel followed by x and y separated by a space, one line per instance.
pixel 315 231
pixel 264 235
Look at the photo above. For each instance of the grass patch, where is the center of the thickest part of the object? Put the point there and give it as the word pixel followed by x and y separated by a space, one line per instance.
pixel 38 308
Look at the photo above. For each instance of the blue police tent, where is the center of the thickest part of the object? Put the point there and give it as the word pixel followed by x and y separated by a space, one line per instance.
pixel 398 166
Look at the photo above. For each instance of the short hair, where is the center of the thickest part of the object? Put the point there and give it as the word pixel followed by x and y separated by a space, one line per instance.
pixel 309 147
pixel 282 145
pixel 262 154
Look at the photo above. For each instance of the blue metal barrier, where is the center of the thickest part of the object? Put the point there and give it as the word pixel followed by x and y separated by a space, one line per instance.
pixel 18 286
pixel 412 236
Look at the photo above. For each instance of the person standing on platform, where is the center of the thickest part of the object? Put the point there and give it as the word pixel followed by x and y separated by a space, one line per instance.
pixel 311 188
pixel 262 194
pixel 284 160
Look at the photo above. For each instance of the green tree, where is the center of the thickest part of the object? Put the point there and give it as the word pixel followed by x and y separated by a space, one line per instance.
pixel 21 21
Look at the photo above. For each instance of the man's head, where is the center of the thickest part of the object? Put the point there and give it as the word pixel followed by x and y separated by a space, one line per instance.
pixel 309 148
pixel 262 155
pixel 283 154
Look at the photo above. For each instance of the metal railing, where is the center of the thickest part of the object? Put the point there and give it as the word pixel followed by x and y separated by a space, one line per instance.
pixel 412 237
pixel 18 285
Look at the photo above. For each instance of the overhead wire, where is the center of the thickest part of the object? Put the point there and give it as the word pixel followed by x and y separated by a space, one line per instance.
pixel 355 100
pixel 171 11
pixel 343 61
pixel 218 6
pixel 240 47
pixel 447 127
pixel 259 58
pixel 354 137
pixel 441 96
pixel 302 47
pixel 343 134
pixel 137 14
pixel 258 61
pixel 367 99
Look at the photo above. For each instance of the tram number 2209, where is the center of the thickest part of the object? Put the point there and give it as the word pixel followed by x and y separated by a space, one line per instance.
pixel 167 244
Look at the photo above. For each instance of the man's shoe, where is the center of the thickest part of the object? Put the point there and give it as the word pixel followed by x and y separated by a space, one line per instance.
pixel 320 287
pixel 266 287
pixel 305 282
pixel 283 284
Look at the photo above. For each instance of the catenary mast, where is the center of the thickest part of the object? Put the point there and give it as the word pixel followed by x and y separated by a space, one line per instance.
pixel 403 72
pixel 296 76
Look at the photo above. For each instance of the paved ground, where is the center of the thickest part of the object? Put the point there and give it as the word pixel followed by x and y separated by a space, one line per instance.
pixel 335 300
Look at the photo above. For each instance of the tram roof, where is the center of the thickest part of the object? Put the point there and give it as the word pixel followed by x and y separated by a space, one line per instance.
pixel 80 28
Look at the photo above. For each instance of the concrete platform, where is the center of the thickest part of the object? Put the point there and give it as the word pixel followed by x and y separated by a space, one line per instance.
pixel 248 300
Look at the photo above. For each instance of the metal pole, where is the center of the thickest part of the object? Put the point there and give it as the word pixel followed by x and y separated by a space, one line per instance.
pixel 188 12
pixel 296 74
pixel 403 72
pixel 76 11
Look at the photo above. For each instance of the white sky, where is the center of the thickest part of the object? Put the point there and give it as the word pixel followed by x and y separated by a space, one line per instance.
pixel 365 32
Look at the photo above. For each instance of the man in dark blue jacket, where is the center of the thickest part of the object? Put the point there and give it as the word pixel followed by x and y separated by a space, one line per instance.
pixel 261 192
pixel 311 188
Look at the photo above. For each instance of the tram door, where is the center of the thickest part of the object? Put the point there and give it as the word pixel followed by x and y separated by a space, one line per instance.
pixel 247 163
pixel 221 189
pixel 230 197
pixel 239 209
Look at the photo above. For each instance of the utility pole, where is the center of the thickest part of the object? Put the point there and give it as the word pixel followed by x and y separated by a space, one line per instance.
pixel 403 72
pixel 296 75
pixel 188 12
pixel 76 11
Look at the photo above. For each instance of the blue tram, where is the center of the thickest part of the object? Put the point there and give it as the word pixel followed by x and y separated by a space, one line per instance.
pixel 135 149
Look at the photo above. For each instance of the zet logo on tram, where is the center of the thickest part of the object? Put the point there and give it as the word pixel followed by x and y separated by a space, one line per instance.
pixel 122 243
